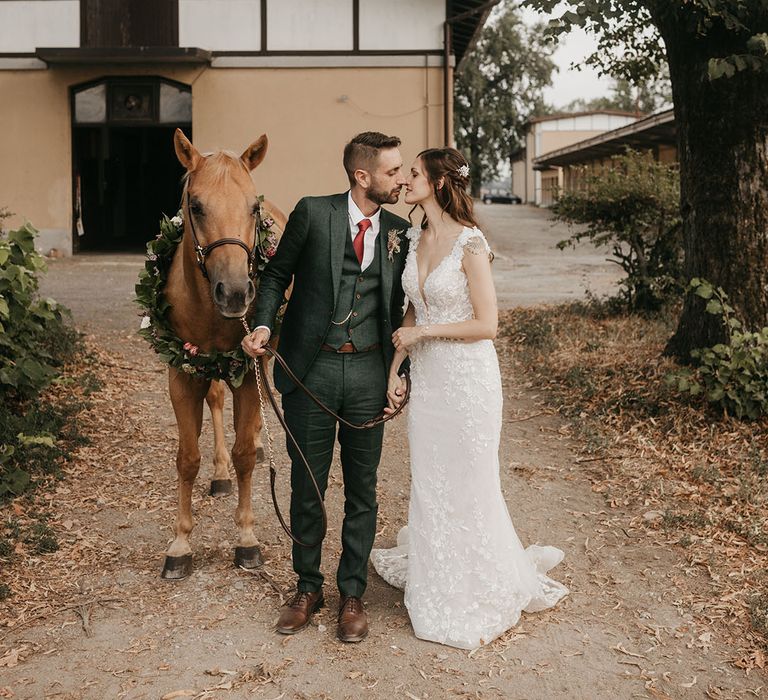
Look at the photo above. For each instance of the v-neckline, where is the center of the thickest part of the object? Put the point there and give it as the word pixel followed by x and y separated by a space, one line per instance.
pixel 422 286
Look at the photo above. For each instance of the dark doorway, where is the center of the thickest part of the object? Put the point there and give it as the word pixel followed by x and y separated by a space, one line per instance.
pixel 128 178
pixel 125 171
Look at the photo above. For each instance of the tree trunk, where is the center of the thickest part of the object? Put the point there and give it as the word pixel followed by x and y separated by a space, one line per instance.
pixel 722 149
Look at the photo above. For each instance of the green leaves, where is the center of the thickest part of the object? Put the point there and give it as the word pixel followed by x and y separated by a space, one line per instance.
pixel 498 87
pixel 231 366
pixel 633 208
pixel 34 341
pixel 30 325
pixel 732 375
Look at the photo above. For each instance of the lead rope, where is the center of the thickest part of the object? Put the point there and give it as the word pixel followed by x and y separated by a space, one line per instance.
pixel 262 386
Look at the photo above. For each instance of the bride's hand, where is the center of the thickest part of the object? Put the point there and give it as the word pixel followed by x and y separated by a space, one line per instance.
pixel 406 337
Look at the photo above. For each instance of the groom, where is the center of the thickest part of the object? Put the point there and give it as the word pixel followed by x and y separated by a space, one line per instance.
pixel 345 254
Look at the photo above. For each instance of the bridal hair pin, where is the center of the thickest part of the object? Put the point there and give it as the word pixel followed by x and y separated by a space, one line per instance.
pixel 463 170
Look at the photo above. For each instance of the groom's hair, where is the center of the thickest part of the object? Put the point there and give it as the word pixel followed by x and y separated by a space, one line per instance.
pixel 363 150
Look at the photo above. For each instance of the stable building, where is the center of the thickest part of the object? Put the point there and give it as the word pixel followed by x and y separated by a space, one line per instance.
pixel 656 134
pixel 548 133
pixel 92 91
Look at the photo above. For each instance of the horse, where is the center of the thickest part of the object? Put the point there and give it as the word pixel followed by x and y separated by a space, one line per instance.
pixel 210 290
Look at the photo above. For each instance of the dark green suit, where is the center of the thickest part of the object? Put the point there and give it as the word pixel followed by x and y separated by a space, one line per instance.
pixel 312 251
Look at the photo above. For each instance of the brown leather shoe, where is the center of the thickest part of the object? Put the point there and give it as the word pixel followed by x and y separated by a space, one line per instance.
pixel 297 612
pixel 353 620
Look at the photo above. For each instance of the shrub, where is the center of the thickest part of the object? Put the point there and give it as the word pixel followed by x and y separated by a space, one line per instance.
pixel 732 375
pixel 634 207
pixel 35 340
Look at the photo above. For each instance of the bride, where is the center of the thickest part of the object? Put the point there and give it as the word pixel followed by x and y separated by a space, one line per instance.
pixel 465 573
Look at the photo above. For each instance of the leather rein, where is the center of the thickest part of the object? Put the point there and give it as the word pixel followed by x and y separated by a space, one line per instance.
pixel 265 389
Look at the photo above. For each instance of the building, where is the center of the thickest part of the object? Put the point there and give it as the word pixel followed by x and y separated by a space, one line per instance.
pixel 550 133
pixel 656 133
pixel 92 91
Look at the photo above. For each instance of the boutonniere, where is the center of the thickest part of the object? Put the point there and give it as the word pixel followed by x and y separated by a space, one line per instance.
pixel 393 243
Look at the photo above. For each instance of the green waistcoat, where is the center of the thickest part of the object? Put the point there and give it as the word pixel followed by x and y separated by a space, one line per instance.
pixel 358 301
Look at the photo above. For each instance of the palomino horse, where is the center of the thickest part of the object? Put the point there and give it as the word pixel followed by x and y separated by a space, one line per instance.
pixel 220 202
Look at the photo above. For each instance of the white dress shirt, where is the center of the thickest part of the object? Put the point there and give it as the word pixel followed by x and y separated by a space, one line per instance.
pixel 369 242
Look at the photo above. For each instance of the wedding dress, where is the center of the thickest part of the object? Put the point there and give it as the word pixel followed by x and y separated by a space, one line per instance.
pixel 465 573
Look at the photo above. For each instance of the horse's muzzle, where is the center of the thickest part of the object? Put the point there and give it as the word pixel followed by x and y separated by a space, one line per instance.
pixel 233 300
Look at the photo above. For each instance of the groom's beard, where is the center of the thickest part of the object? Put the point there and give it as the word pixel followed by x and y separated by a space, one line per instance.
pixel 380 197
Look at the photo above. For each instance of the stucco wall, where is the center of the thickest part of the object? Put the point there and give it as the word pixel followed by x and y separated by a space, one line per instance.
pixel 307 113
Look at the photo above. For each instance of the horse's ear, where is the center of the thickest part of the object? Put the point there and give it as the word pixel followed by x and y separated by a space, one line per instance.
pixel 187 154
pixel 254 154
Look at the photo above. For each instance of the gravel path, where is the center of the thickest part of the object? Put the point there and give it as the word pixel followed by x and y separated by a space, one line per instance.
pixel 127 634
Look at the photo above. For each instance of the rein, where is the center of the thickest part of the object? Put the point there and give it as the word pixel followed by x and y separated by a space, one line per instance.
pixel 202 251
pixel 264 388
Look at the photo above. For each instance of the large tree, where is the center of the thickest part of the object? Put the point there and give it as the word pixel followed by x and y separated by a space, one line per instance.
pixel 717 51
pixel 498 87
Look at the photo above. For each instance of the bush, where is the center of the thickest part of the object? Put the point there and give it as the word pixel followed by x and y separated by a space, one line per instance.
pixel 732 375
pixel 633 207
pixel 35 340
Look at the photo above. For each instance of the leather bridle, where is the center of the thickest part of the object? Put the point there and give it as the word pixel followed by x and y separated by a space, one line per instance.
pixel 202 251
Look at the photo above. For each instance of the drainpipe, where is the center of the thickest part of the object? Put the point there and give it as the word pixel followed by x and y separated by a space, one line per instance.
pixel 447 82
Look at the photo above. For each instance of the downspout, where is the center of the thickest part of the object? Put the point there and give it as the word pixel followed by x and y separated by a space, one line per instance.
pixel 447 84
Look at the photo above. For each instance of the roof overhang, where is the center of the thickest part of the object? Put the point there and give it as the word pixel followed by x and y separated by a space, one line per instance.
pixel 658 129
pixel 467 19
pixel 133 55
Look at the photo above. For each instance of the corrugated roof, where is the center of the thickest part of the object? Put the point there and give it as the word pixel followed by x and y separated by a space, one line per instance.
pixel 645 133
pixel 569 115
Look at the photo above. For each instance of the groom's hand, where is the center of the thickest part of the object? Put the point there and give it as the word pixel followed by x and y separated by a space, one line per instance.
pixel 395 394
pixel 254 343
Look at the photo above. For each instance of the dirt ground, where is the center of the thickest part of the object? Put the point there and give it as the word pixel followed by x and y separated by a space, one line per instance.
pixel 100 623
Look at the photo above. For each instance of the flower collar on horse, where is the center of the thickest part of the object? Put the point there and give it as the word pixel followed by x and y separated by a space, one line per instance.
pixel 155 325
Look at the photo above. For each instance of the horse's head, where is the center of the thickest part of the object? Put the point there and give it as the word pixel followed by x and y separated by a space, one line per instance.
pixel 222 207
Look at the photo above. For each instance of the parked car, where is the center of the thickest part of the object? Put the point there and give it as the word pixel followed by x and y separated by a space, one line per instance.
pixel 506 198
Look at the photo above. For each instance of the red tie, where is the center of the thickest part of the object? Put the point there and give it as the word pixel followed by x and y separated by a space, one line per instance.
pixel 358 243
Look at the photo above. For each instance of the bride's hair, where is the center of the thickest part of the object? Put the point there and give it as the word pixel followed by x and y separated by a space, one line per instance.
pixel 450 165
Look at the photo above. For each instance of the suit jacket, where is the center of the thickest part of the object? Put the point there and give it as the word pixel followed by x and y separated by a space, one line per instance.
pixel 311 251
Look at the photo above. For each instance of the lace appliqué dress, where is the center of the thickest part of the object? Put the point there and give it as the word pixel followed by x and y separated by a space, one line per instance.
pixel 465 573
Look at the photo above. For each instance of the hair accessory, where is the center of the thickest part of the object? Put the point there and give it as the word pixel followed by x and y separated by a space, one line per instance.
pixel 463 170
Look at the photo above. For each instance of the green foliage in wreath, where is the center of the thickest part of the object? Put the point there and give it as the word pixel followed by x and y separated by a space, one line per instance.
pixel 230 366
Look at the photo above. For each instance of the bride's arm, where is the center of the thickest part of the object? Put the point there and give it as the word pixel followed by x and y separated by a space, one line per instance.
pixel 482 294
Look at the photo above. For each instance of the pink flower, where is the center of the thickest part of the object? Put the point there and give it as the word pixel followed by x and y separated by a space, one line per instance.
pixel 191 349
pixel 269 252
pixel 268 222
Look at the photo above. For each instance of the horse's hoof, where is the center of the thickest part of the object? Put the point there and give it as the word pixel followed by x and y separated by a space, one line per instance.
pixel 177 567
pixel 221 487
pixel 248 557
pixel 259 454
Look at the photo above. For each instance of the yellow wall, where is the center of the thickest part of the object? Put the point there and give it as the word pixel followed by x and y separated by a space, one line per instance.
pixel 298 108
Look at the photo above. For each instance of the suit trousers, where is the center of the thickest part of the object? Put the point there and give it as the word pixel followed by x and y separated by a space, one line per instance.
pixel 354 386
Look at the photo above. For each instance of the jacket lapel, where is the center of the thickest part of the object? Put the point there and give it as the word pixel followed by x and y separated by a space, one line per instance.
pixel 387 266
pixel 339 229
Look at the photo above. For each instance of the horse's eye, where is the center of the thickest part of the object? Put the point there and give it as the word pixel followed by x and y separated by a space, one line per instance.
pixel 196 208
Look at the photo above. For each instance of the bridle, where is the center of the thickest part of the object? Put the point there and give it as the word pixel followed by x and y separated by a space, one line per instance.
pixel 202 251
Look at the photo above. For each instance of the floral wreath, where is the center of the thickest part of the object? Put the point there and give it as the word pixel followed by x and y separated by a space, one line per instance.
pixel 232 365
